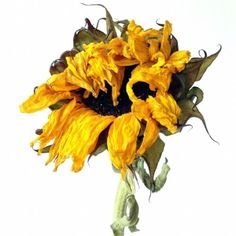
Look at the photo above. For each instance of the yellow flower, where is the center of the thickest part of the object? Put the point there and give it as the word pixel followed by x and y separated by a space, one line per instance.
pixel 114 92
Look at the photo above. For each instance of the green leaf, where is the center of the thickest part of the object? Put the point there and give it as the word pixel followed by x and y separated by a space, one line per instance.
pixel 162 177
pixel 189 109
pixel 188 106
pixel 45 149
pixel 101 145
pixel 97 34
pixel 195 69
pixel 81 37
pixel 160 180
pixel 197 93
pixel 87 35
pixel 138 166
pixel 111 31
pixel 59 104
pixel 153 155
pixel 173 44
pixel 123 28
pixel 100 149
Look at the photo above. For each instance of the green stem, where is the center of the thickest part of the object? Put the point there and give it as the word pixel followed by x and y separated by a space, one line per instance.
pixel 125 189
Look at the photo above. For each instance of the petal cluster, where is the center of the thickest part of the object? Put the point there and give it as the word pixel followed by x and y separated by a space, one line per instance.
pixel 75 130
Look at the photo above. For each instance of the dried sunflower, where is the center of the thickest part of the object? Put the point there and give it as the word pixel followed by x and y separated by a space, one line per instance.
pixel 118 93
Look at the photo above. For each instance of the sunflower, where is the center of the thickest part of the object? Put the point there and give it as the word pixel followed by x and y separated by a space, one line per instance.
pixel 119 92
pixel 110 90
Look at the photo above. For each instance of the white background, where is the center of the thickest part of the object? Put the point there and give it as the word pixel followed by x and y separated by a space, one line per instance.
pixel 199 196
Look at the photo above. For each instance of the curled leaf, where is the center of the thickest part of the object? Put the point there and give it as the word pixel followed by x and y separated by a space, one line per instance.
pixel 97 34
pixel 197 93
pixel 162 177
pixel 160 180
pixel 81 37
pixel 152 156
pixel 144 176
pixel 111 32
pixel 195 69
pixel 189 109
pixel 173 44
pixel 122 28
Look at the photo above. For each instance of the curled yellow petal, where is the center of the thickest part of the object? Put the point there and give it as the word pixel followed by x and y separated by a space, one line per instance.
pixel 121 141
pixel 137 46
pixel 116 84
pixel 165 110
pixel 165 43
pixel 153 38
pixel 115 47
pixel 178 60
pixel 151 132
pixel 134 28
pixel 43 97
pixel 155 78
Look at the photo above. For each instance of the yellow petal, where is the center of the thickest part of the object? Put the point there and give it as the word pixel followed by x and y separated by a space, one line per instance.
pixel 58 82
pixel 151 133
pixel 44 97
pixel 165 43
pixel 137 46
pixel 142 111
pixel 53 153
pixel 121 141
pixel 153 38
pixel 116 84
pixel 122 61
pixel 80 137
pixel 76 72
pixel 159 58
pixel 165 110
pixel 178 60
pixel 133 27
pixel 115 46
pixel 53 127
pixel 139 74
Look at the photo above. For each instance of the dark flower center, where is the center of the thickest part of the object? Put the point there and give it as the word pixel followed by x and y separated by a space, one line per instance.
pixel 103 104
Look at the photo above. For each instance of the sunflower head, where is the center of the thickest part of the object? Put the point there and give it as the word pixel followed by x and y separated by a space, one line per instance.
pixel 117 91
